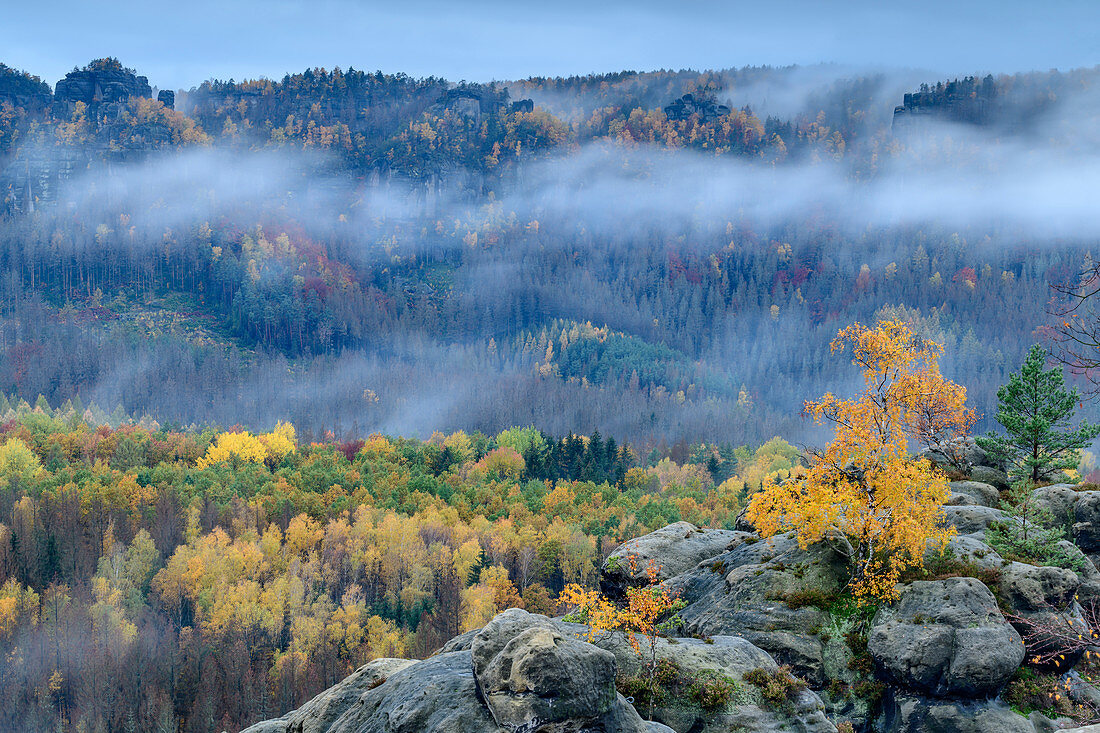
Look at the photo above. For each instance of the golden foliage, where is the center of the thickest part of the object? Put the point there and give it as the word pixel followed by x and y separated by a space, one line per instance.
pixel 863 484
pixel 244 447
pixel 641 614
pixel 17 460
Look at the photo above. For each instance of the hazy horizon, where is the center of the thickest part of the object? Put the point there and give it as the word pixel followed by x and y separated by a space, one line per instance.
pixel 491 40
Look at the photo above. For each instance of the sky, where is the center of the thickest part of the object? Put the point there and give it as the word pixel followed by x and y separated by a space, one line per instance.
pixel 181 44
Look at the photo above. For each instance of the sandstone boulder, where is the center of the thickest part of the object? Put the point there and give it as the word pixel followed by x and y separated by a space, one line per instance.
pixel 906 713
pixel 437 694
pixel 728 658
pixel 946 638
pixel 1059 500
pixel 528 671
pixel 1086 526
pixel 673 549
pixel 993 476
pixel 319 714
pixel 766 601
pixel 974 493
pixel 971 519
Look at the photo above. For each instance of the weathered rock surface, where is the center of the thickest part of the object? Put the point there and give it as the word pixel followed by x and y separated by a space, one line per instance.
pixel 521 673
pixel 971 519
pixel 319 714
pixel 746 592
pixel 973 493
pixel 529 673
pixel 1028 588
pixel 101 85
pixel 969 549
pixel 913 714
pixel 958 453
pixel 673 549
pixel 731 657
pixel 946 638
pixel 993 476
pixel 943 647
pixel 437 694
pixel 1059 500
pixel 1086 521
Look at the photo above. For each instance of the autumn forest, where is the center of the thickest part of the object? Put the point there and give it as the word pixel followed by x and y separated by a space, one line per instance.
pixel 298 373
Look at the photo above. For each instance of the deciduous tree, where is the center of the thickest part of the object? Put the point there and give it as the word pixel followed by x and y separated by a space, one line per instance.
pixel 863 484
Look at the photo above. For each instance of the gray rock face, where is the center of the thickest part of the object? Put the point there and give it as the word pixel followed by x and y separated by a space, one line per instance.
pixel 731 657
pixel 970 549
pixel 946 638
pixel 1028 588
pixel 102 85
pixel 522 673
pixel 912 714
pixel 1086 527
pixel 1043 595
pixel 993 476
pixel 1059 500
pixel 319 714
pixel 971 519
pixel 962 453
pixel 974 493
pixel 437 694
pixel 530 673
pixel 745 593
pixel 674 549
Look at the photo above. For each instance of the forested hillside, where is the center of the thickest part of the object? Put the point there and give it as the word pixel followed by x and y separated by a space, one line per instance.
pixel 265 344
pixel 160 580
pixel 660 255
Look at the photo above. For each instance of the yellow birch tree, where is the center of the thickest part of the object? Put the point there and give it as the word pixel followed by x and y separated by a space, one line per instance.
pixel 864 484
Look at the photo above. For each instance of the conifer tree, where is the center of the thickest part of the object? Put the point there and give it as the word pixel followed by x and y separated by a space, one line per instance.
pixel 1035 410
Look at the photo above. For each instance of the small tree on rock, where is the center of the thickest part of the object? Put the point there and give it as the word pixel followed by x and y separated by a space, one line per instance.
pixel 863 484
pixel 1035 410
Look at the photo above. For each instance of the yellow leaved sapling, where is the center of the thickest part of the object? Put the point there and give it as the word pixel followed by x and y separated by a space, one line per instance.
pixel 649 611
pixel 864 484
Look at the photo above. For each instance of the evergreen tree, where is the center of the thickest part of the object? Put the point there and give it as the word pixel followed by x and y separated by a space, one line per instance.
pixel 1035 409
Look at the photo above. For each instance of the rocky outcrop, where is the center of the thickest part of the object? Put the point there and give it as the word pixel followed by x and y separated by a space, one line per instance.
pixel 972 519
pixel 903 713
pixel 971 550
pixel 960 454
pixel 946 638
pixel 533 677
pixel 974 493
pixel 730 658
pixel 992 476
pixel 94 85
pixel 1086 521
pixel 320 713
pixel 437 694
pixel 690 104
pixel 757 610
pixel 520 673
pixel 752 591
pixel 672 550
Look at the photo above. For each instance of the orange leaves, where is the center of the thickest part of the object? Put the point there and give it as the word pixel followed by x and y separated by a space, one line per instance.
pixel 641 614
pixel 863 484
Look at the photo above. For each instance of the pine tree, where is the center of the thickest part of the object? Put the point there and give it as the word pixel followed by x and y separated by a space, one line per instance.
pixel 1035 409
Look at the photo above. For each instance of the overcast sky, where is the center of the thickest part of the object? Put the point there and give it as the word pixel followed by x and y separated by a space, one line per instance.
pixel 181 43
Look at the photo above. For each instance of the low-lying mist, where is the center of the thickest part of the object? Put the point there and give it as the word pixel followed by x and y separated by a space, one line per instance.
pixel 703 254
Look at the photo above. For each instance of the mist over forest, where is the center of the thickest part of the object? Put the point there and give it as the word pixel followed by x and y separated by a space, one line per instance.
pixel 303 374
pixel 363 252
